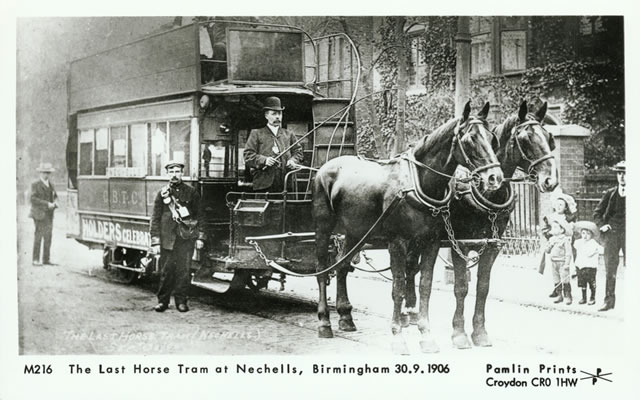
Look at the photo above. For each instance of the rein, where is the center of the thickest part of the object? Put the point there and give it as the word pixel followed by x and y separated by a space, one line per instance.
pixel 412 159
pixel 271 263
pixel 415 194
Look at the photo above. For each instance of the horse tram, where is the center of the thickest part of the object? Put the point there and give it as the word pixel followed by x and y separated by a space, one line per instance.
pixel 194 94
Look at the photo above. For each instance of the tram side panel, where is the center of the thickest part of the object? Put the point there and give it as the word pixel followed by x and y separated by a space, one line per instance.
pixel 115 212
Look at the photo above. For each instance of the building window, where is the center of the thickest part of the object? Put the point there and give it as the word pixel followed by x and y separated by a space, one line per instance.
pixel 498 45
pixel 590 25
pixel 592 42
pixel 417 67
pixel 481 54
pixel 513 45
pixel 481 45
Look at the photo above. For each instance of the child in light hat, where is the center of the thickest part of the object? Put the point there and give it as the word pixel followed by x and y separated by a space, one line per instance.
pixel 587 253
pixel 559 249
pixel 564 213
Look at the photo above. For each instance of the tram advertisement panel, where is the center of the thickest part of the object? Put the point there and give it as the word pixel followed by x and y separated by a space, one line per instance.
pixel 124 196
pixel 122 233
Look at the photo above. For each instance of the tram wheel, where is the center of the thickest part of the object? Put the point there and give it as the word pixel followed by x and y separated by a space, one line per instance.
pixel 130 258
pixel 255 283
pixel 241 279
pixel 126 276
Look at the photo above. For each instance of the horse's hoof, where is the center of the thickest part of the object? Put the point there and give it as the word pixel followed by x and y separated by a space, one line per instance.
pixel 325 332
pixel 405 320
pixel 413 318
pixel 347 325
pixel 481 339
pixel 461 341
pixel 429 346
pixel 400 348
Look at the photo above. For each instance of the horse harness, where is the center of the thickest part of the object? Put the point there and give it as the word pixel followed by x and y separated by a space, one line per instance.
pixel 418 199
pixel 531 173
pixel 474 121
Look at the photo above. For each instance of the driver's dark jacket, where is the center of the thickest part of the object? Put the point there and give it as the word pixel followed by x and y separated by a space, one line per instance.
pixel 164 230
pixel 260 146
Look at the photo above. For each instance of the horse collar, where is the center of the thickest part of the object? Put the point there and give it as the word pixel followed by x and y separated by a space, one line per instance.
pixel 488 205
pixel 420 196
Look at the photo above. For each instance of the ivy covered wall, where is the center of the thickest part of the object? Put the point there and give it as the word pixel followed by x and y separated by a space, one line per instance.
pixel 567 65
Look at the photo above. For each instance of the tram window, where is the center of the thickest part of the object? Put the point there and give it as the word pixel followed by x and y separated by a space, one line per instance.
pixel 86 152
pixel 159 153
pixel 101 156
pixel 137 147
pixel 213 53
pixel 243 136
pixel 118 147
pixel 215 161
pixel 179 133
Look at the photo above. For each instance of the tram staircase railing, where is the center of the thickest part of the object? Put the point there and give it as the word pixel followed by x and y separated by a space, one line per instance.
pixel 333 137
pixel 335 83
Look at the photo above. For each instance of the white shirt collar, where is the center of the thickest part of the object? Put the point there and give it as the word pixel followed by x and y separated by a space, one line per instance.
pixel 273 129
pixel 46 183
pixel 622 191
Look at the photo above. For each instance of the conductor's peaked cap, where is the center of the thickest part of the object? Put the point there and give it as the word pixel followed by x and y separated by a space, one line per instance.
pixel 174 163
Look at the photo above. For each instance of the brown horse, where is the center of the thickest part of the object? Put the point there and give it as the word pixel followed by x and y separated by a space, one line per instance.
pixel 351 193
pixel 525 144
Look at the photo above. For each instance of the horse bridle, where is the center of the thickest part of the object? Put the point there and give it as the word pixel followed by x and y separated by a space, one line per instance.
pixel 532 163
pixel 476 170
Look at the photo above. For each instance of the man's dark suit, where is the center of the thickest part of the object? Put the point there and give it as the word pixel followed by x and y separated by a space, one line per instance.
pixel 175 253
pixel 612 210
pixel 41 196
pixel 259 146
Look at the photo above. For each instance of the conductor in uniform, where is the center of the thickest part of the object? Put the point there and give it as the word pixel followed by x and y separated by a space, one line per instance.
pixel 175 204
pixel 43 204
pixel 610 216
pixel 265 150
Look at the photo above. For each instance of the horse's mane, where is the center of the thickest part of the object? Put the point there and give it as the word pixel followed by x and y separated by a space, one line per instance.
pixel 434 141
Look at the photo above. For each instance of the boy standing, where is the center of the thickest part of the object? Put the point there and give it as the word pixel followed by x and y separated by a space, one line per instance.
pixel 559 248
pixel 587 253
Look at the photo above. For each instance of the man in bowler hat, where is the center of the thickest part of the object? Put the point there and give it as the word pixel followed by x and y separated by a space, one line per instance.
pixel 43 204
pixel 174 203
pixel 610 216
pixel 265 150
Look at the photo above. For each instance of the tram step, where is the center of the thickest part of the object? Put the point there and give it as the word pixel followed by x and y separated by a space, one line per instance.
pixel 219 286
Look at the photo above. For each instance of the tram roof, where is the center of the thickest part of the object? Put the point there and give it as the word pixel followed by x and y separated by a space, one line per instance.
pixel 254 89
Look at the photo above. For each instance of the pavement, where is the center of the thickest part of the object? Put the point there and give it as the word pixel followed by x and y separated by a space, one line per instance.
pixel 515 279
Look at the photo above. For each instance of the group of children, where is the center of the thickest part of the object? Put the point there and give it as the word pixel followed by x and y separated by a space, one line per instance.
pixel 560 248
